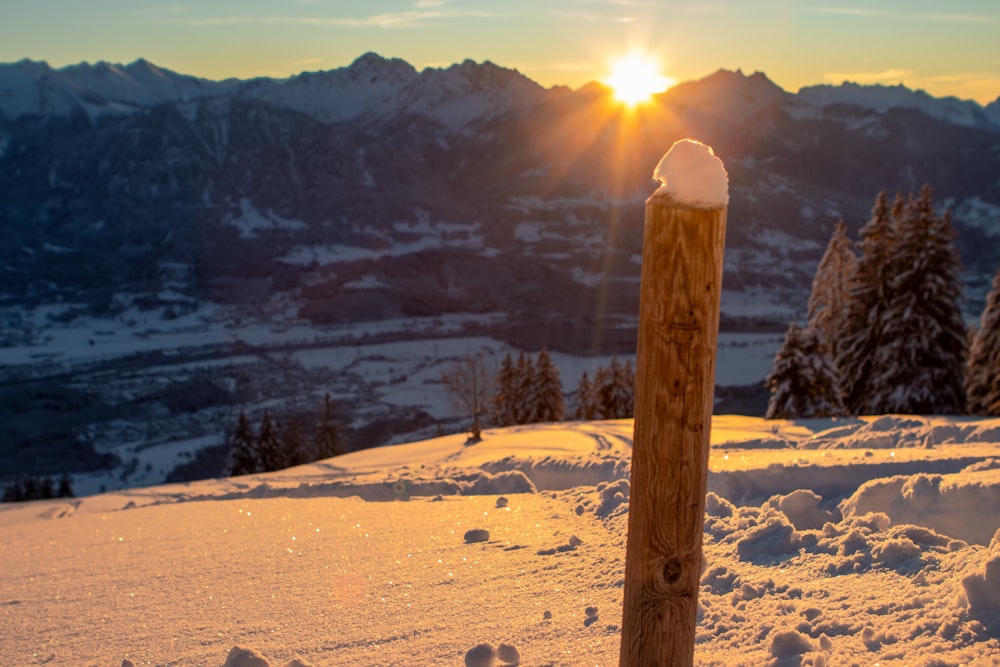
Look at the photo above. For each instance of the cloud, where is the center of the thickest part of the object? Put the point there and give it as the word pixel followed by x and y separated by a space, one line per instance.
pixel 593 17
pixel 958 18
pixel 851 11
pixel 933 17
pixel 423 13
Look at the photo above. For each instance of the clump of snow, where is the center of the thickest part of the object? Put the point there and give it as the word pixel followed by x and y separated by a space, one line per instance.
pixel 690 174
pixel 508 654
pixel 802 509
pixel 789 644
pixel 774 537
pixel 244 657
pixel 477 535
pixel 481 655
pixel 982 589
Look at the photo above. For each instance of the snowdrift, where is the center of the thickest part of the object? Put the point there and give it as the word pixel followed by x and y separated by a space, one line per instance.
pixel 826 542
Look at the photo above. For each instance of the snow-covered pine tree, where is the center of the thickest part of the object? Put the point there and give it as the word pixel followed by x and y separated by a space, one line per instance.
pixel 919 366
pixel 503 402
pixel 523 405
pixel 983 379
pixel 831 290
pixel 615 388
pixel 327 440
pixel 867 309
pixel 269 446
pixel 13 493
pixel 803 383
pixel 628 381
pixel 65 487
pixel 242 456
pixel 587 400
pixel 293 442
pixel 550 406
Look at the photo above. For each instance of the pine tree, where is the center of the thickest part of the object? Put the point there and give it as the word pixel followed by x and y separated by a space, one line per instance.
pixel 242 457
pixel 524 409
pixel 803 383
pixel 503 403
pixel 65 487
pixel 628 382
pixel 269 446
pixel 616 390
pixel 587 400
pixel 14 493
pixel 919 366
pixel 868 309
pixel 32 489
pixel 983 378
pixel 831 290
pixel 328 441
pixel 548 396
pixel 294 444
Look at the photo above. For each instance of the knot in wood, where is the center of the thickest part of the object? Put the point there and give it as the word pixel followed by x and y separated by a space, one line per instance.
pixel 669 575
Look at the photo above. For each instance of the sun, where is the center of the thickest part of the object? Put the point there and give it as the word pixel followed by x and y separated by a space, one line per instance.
pixel 636 77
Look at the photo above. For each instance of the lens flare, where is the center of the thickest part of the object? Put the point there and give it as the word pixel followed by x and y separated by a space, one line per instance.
pixel 636 77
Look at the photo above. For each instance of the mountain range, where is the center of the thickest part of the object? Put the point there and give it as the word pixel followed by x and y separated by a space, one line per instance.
pixel 174 250
pixel 468 187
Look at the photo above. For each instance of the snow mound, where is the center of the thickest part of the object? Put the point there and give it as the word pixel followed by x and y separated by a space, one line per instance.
pixel 982 589
pixel 965 505
pixel 400 486
pixel 902 431
pixel 802 509
pixel 789 644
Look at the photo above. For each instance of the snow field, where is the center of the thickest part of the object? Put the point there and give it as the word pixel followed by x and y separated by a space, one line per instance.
pixel 421 553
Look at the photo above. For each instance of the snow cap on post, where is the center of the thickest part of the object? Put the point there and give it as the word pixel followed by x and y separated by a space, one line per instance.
pixel 691 175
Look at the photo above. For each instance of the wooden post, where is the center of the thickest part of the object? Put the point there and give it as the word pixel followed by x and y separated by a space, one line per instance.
pixel 682 259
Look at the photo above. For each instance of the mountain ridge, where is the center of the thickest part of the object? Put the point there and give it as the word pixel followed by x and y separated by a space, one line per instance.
pixel 468 200
pixel 142 83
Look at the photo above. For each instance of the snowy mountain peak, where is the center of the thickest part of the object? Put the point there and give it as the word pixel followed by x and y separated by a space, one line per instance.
pixel 992 111
pixel 479 77
pixel 25 67
pixel 375 67
pixel 726 92
pixel 376 89
pixel 880 98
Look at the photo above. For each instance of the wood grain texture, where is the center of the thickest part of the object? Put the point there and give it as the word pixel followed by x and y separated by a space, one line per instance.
pixel 682 260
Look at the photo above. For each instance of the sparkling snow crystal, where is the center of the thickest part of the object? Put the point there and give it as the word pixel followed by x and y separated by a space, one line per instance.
pixel 690 174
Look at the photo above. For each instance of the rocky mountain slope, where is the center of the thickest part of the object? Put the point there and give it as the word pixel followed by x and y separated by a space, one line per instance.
pixel 466 188
pixel 174 249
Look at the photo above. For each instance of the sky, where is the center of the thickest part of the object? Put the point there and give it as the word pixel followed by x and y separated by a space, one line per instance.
pixel 943 48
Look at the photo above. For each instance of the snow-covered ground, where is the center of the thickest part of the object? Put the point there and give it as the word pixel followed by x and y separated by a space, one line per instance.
pixel 373 369
pixel 850 542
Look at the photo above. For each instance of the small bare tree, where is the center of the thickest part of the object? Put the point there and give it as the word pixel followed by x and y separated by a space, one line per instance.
pixel 470 383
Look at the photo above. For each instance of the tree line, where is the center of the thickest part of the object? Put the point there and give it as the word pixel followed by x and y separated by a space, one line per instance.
pixel 885 331
pixel 38 488
pixel 276 446
pixel 529 391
